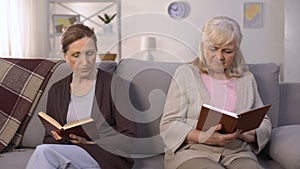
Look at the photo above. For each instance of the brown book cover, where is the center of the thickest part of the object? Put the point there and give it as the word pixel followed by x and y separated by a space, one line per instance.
pixel 84 127
pixel 248 120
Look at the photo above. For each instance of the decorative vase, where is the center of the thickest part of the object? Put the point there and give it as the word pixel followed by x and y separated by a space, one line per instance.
pixel 107 28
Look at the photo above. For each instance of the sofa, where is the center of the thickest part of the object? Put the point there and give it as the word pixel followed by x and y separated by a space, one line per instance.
pixel 144 95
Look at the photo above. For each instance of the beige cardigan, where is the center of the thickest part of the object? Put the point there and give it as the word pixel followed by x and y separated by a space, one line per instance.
pixel 186 94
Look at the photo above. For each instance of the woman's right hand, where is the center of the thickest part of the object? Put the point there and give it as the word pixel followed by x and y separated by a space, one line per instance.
pixel 213 137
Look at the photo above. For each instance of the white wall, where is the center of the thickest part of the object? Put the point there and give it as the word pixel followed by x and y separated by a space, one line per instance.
pixel 179 39
pixel 292 41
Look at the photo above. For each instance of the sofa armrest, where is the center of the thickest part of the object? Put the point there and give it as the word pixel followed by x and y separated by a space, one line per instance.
pixel 283 147
pixel 289 109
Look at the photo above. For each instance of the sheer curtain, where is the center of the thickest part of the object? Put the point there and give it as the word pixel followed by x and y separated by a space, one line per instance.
pixel 23 33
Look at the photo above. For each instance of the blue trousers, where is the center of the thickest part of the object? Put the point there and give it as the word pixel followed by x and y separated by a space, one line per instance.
pixel 59 156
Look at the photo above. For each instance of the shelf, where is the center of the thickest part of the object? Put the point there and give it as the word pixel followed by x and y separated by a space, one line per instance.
pixel 88 17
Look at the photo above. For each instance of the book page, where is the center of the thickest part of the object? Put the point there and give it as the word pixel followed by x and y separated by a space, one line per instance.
pixel 50 120
pixel 77 123
pixel 221 110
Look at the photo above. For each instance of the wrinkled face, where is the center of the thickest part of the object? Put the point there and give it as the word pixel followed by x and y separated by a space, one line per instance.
pixel 219 57
pixel 81 57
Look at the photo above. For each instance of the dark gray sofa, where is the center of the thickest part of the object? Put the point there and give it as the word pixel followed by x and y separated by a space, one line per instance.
pixel 145 97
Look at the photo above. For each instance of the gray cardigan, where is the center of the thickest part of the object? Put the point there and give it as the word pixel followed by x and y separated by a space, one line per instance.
pixel 186 94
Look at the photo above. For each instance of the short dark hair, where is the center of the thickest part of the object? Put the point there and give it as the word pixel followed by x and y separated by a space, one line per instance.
pixel 74 33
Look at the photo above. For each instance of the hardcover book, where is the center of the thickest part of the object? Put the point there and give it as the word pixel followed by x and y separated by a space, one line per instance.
pixel 83 127
pixel 248 120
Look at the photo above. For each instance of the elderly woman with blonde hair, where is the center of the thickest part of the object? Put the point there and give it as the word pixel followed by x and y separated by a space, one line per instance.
pixel 218 77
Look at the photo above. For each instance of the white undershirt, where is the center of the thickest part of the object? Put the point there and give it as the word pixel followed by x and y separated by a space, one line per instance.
pixel 81 106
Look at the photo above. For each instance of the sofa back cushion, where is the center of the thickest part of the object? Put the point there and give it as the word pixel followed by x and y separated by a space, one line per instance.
pixel 267 79
pixel 149 84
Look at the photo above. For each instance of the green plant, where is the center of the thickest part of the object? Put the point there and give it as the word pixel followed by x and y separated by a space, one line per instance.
pixel 106 18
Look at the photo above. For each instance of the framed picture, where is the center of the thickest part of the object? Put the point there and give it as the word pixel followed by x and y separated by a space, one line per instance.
pixel 60 22
pixel 253 15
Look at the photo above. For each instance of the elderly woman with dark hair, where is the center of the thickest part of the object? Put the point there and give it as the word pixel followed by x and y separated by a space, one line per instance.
pixel 218 77
pixel 85 92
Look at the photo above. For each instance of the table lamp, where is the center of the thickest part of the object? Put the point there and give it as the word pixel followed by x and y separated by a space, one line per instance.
pixel 148 44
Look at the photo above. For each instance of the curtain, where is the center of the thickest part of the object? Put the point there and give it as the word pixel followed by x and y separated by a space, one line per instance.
pixel 23 33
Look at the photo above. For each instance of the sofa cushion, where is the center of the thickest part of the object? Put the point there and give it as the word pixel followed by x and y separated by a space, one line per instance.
pixel 108 66
pixel 149 84
pixel 16 159
pixel 289 103
pixel 267 79
pixel 283 147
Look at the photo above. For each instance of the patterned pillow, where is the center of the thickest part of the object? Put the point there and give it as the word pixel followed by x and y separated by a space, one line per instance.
pixel 22 82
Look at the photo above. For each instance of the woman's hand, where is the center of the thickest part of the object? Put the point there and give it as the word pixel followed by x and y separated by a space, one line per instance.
pixel 73 138
pixel 79 140
pixel 249 136
pixel 55 135
pixel 213 137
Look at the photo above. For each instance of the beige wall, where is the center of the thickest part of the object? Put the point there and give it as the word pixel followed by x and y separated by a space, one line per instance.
pixel 259 45
pixel 292 41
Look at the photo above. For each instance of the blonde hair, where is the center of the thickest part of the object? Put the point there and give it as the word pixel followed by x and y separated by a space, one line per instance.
pixel 222 30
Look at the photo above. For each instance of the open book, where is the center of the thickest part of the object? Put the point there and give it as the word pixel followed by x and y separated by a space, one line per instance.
pixel 248 120
pixel 84 127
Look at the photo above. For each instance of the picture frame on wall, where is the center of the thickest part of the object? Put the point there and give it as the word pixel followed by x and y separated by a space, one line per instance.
pixel 253 15
pixel 60 22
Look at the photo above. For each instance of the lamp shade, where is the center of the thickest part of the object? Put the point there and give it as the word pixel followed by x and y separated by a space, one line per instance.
pixel 148 43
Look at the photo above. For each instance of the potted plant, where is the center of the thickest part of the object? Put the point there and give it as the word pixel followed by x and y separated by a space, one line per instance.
pixel 107 19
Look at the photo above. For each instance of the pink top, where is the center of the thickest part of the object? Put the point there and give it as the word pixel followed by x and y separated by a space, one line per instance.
pixel 222 92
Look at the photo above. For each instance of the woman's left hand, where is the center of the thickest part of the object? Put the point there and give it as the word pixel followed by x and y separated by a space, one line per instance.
pixel 249 136
pixel 79 140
